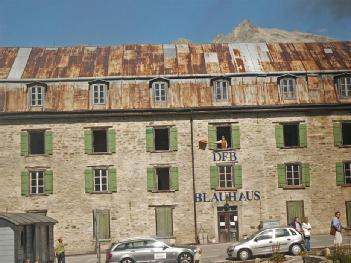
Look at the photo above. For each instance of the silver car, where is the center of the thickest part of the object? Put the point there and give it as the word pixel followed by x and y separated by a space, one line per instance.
pixel 147 250
pixel 268 241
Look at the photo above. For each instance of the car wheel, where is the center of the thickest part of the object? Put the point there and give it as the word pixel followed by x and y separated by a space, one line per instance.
pixel 295 249
pixel 127 260
pixel 244 254
pixel 185 258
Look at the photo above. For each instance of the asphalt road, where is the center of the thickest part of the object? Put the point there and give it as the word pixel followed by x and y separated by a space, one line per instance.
pixel 215 253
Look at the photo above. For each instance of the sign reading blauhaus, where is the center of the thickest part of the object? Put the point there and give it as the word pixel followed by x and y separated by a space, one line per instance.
pixel 231 196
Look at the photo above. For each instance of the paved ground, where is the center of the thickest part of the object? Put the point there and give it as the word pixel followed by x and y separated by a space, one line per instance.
pixel 217 252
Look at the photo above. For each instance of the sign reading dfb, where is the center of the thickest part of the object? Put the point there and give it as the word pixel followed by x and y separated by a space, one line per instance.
pixel 224 156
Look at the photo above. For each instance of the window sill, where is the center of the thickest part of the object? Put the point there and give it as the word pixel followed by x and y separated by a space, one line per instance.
pixel 344 146
pixel 345 185
pixel 162 151
pixel 223 150
pixel 292 147
pixel 34 195
pixel 232 189
pixel 100 193
pixel 294 187
pixel 163 191
pixel 39 154
pixel 100 153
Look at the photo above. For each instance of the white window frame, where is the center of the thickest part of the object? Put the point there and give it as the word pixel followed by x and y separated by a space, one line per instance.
pixel 36 96
pixel 34 182
pixel 347 169
pixel 344 86
pixel 99 93
pixel 158 87
pixel 100 186
pixel 220 90
pixel 225 176
pixel 293 174
pixel 288 88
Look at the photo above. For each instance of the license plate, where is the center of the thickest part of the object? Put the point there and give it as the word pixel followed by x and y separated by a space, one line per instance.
pixel 160 255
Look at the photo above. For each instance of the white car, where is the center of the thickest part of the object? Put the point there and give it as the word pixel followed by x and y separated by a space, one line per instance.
pixel 267 241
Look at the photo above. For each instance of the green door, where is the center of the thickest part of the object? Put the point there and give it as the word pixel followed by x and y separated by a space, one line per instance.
pixel 294 209
pixel 348 213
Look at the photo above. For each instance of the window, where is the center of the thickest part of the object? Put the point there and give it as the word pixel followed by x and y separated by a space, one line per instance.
pixel 229 134
pixel 38 181
pixel 99 93
pixel 281 232
pixel 36 142
pixel 164 221
pixel 100 180
pixel 100 140
pixel 342 133
pixel 162 179
pixel 287 88
pixel 293 174
pixel 36 96
pixel 101 224
pixel 226 176
pixel 343 173
pixel 344 86
pixel 291 135
pixel 267 234
pixel 161 139
pixel 220 88
pixel 294 209
pixel 160 90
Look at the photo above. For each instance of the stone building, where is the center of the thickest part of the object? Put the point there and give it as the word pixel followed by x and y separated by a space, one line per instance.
pixel 183 142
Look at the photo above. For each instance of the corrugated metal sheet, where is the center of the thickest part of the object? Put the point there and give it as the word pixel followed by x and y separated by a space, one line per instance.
pixel 27 218
pixel 180 59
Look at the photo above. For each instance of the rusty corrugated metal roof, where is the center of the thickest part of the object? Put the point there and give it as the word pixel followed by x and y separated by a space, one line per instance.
pixel 168 60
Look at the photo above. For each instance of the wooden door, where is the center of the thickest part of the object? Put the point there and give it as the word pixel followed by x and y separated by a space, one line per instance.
pixel 228 229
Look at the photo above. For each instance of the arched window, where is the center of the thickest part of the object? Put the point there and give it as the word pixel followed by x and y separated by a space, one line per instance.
pixel 98 92
pixel 287 86
pixel 159 89
pixel 344 85
pixel 36 94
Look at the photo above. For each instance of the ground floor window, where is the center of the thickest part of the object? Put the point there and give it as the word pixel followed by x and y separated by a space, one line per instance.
pixel 101 223
pixel 294 209
pixel 348 213
pixel 164 221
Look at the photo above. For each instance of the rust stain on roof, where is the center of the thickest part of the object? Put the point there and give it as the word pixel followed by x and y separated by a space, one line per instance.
pixel 180 59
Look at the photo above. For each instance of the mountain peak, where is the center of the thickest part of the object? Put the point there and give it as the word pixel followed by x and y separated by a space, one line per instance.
pixel 246 24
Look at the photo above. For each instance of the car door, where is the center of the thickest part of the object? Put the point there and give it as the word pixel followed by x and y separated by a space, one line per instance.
pixel 282 240
pixel 161 252
pixel 262 243
pixel 141 251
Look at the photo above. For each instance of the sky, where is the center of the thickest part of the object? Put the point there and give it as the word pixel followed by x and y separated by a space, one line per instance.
pixel 51 23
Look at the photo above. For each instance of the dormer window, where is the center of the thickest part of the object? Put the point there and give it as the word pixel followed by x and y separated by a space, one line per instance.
pixel 344 86
pixel 36 94
pixel 220 89
pixel 160 90
pixel 288 87
pixel 98 91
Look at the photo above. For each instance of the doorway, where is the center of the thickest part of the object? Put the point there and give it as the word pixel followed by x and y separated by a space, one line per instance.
pixel 228 226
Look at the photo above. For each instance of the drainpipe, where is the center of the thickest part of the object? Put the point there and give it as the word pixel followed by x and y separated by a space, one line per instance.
pixel 193 174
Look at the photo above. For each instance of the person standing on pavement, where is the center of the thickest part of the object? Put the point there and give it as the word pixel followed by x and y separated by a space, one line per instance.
pixel 60 251
pixel 306 227
pixel 338 227
pixel 297 225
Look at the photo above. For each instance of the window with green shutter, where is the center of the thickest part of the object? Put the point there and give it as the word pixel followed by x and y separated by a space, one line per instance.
pixel 100 140
pixel 161 139
pixel 342 133
pixel 162 179
pixel 164 221
pixel 291 135
pixel 35 142
pixel 292 175
pixel 343 173
pixel 223 136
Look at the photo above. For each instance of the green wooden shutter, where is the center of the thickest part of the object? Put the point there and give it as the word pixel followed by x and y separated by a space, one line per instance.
pixel 164 220
pixel 212 137
pixel 150 179
pixel 112 180
pixel 294 209
pixel 337 133
pixel 214 177
pixel 25 183
pixel 150 145
pixel 48 142
pixel 88 173
pixel 24 143
pixel 88 141
pixel 104 222
pixel 340 180
pixel 235 136
pixel 279 136
pixel 348 213
pixel 281 175
pixel 111 140
pixel 173 139
pixel 305 174
pixel 238 176
pixel 303 134
pixel 49 181
pixel 174 179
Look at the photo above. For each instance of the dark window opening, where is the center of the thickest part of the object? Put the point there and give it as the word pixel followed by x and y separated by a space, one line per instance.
pixel 36 142
pixel 346 133
pixel 162 139
pixel 291 134
pixel 162 178
pixel 224 137
pixel 347 173
pixel 99 141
